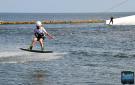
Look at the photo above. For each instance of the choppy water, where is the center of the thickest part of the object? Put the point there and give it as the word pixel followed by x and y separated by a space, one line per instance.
pixel 84 54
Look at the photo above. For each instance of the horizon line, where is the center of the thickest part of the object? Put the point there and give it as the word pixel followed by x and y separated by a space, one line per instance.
pixel 69 12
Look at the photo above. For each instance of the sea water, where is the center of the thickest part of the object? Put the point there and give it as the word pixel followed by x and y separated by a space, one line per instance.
pixel 83 54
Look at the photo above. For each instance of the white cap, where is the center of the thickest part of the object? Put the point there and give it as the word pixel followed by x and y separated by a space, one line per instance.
pixel 38 23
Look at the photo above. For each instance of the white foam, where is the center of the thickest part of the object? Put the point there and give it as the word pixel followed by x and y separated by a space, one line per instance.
pixel 128 20
pixel 21 57
pixel 9 54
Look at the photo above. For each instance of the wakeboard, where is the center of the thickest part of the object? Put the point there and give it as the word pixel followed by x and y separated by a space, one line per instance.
pixel 37 51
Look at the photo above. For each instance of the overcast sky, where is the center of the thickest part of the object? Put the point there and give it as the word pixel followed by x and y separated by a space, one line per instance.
pixel 62 6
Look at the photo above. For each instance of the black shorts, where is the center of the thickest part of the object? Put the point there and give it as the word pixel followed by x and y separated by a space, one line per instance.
pixel 38 38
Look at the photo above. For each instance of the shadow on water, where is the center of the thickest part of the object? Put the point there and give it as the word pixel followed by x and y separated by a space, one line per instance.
pixel 37 77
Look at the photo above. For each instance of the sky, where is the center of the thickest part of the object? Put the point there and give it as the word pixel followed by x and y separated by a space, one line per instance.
pixel 66 6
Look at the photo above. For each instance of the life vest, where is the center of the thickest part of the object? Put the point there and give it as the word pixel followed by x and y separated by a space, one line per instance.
pixel 39 33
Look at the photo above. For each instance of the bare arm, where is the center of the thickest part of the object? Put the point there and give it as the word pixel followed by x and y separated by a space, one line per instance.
pixel 49 35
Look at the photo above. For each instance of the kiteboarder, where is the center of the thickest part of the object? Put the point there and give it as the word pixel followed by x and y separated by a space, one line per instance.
pixel 111 20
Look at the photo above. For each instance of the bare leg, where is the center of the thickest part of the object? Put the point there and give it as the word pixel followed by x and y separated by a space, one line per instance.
pixel 41 41
pixel 33 43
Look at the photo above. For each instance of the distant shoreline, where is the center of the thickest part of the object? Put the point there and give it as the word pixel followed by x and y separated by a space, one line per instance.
pixel 53 22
